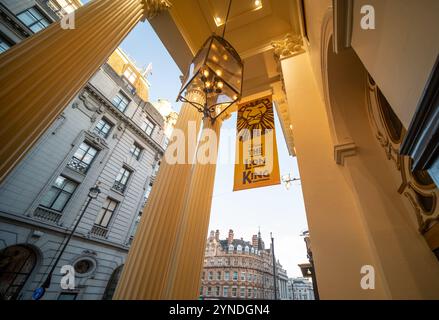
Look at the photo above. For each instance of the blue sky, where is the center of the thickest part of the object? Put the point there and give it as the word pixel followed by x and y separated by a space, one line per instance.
pixel 273 209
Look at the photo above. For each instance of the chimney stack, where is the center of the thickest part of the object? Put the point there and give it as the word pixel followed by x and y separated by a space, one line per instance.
pixel 217 234
pixel 230 238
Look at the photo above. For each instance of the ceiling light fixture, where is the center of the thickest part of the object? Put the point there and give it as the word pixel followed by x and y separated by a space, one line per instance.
pixel 219 79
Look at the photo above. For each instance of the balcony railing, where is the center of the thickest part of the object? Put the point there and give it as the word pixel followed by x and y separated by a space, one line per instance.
pixel 47 214
pixel 78 165
pixel 118 186
pixel 99 231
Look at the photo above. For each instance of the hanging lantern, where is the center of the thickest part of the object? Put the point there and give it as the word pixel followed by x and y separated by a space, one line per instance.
pixel 217 70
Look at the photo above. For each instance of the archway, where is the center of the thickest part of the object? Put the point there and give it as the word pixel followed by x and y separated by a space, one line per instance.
pixel 112 283
pixel 16 265
pixel 375 174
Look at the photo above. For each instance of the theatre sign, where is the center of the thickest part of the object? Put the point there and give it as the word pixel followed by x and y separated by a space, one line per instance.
pixel 257 163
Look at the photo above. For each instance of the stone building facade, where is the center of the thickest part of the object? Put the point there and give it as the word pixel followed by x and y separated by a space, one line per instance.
pixel 238 269
pixel 301 289
pixel 109 135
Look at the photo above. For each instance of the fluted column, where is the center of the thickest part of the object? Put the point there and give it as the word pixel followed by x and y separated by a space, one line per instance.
pixel 187 263
pixel 39 76
pixel 145 271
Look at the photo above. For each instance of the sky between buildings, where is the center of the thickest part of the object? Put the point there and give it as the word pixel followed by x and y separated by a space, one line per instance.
pixel 273 209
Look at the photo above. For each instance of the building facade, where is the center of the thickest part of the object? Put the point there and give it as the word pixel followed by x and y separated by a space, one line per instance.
pixel 109 135
pixel 238 269
pixel 301 289
pixel 358 107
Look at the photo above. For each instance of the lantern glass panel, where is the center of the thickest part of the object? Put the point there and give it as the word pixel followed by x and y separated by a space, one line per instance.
pixel 225 62
pixel 196 65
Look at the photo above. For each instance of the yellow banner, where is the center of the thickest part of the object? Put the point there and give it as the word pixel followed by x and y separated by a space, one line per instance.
pixel 257 163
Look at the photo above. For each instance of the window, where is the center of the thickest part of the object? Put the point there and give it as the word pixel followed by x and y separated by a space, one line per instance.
pixel 84 266
pixel 210 276
pixel 235 276
pixel 136 223
pixel 234 291
pixel 148 126
pixel 217 291
pixel 209 291
pixel 122 179
pixel 130 75
pixel 59 194
pixel 67 296
pixel 135 151
pixel 218 275
pixel 61 8
pixel 83 158
pixel 103 128
pixel 225 291
pixel 33 19
pixel 107 210
pixel 4 44
pixel 242 276
pixel 249 276
pixel 121 102
pixel 249 292
pixel 227 276
pixel 239 248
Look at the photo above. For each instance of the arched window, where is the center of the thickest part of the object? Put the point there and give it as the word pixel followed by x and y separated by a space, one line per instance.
pixel 239 248
pixel 247 249
pixel 231 248
pixel 16 265
pixel 112 284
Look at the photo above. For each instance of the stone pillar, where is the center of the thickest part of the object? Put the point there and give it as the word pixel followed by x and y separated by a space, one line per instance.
pixel 42 74
pixel 145 271
pixel 186 266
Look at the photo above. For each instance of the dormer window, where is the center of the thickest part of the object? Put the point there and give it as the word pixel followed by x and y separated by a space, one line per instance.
pixel 130 74
pixel 231 248
pixel 247 249
pixel 239 248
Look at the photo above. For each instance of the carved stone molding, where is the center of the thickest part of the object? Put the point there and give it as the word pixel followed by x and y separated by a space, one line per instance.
pixel 416 186
pixel 290 46
pixel 344 150
pixel 154 7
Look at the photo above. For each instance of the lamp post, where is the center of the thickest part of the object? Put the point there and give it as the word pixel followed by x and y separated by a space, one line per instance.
pixel 274 267
pixel 39 292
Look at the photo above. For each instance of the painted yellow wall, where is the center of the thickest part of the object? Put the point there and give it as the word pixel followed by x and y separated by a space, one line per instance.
pixel 119 63
pixel 340 242
pixel 401 51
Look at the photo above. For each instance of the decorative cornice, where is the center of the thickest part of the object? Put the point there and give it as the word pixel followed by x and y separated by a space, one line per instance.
pixel 10 19
pixel 154 7
pixel 290 46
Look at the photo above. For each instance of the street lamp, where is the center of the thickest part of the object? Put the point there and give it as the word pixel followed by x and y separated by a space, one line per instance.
pixel 217 70
pixel 287 179
pixel 39 292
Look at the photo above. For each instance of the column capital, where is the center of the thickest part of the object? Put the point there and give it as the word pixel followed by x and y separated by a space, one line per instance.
pixel 289 46
pixel 154 7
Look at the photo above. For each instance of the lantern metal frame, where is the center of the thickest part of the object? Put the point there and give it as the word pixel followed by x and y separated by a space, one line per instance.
pixel 209 111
